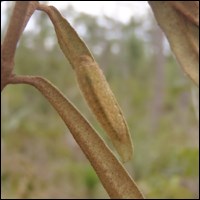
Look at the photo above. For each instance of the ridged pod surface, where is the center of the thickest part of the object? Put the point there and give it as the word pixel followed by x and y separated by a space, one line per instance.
pixel 93 84
pixel 103 103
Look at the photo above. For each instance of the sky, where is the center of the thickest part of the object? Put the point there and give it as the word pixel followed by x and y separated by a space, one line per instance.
pixel 122 10
pixel 118 10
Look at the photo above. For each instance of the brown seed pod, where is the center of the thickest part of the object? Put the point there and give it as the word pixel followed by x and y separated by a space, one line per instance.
pixel 92 83
pixel 101 100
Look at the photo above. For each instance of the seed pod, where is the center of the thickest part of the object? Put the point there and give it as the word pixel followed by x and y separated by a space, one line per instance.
pixel 101 100
pixel 93 84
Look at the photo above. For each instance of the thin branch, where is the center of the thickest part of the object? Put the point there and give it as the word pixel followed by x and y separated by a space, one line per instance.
pixel 20 16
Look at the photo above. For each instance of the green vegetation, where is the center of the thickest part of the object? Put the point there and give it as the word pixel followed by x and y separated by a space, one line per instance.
pixel 40 159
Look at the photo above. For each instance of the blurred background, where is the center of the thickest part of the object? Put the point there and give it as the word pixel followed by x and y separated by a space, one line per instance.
pixel 39 157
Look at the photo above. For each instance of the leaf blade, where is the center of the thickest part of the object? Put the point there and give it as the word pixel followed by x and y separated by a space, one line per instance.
pixel 112 174
pixel 181 27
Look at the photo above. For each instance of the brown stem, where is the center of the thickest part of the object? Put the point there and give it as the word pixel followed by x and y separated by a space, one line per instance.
pixel 20 16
